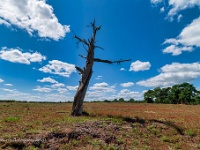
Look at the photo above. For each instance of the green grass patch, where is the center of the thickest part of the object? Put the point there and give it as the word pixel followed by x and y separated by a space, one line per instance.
pixel 190 132
pixel 12 119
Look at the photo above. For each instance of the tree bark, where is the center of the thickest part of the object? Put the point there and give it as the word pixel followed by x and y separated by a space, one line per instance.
pixel 86 72
pixel 77 107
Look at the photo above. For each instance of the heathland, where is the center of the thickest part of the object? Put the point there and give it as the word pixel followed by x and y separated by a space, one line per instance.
pixel 33 126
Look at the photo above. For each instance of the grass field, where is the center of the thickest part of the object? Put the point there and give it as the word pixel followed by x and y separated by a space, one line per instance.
pixel 33 126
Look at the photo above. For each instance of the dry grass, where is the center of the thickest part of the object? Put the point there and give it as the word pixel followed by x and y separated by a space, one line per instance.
pixel 32 126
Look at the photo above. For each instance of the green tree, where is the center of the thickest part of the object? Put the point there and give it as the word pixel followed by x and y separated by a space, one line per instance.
pixel 184 93
pixel 164 95
pixel 149 96
pixel 187 93
pixel 131 100
pixel 121 100
pixel 115 100
pixel 174 94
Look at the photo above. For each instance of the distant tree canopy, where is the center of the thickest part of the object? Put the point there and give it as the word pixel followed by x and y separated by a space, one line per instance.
pixel 184 93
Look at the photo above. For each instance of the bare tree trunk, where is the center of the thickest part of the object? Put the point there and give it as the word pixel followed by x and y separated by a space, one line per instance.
pixel 87 71
pixel 77 107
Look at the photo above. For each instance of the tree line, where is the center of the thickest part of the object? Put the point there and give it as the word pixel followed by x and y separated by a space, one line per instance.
pixel 184 93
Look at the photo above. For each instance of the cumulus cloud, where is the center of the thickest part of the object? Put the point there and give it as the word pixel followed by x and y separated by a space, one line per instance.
pixel 9 90
pixel 4 22
pixel 186 40
pixel 1 80
pixel 128 84
pixel 139 66
pixel 155 2
pixel 122 69
pixel 95 95
pixel 190 35
pixel 173 74
pixel 46 96
pixel 162 9
pixel 62 90
pixel 72 88
pixel 59 68
pixel 100 91
pixel 8 84
pixel 33 16
pixel 57 85
pixel 127 94
pixel 43 89
pixel 179 17
pixel 104 87
pixel 177 50
pixel 48 79
pixel 178 5
pixel 16 55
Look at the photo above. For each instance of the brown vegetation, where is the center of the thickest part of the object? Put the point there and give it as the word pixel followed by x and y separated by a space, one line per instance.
pixel 32 126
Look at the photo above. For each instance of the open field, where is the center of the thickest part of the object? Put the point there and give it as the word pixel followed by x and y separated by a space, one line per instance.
pixel 33 126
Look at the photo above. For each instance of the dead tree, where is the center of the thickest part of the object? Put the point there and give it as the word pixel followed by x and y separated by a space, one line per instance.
pixel 86 72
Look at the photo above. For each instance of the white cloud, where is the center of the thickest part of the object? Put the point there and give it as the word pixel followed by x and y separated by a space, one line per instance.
pixel 162 9
pixel 8 84
pixel 50 97
pixel 139 66
pixel 99 77
pixel 104 87
pixel 61 97
pixel 155 2
pixel 43 89
pixel 127 94
pixel 175 50
pixel 100 91
pixel 95 95
pixel 33 16
pixel 62 90
pixel 16 56
pixel 59 68
pixel 122 69
pixel 48 79
pixel 57 85
pixel 189 37
pixel 173 74
pixel 128 84
pixel 179 17
pixel 4 22
pixel 9 90
pixel 178 5
pixel 1 80
pixel 72 88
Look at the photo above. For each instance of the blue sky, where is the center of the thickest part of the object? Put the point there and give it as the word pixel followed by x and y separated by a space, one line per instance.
pixel 38 54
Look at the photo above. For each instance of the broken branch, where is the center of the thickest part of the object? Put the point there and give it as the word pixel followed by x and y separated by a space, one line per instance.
pixel 79 69
pixel 81 40
pixel 99 47
pixel 110 62
pixel 107 61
